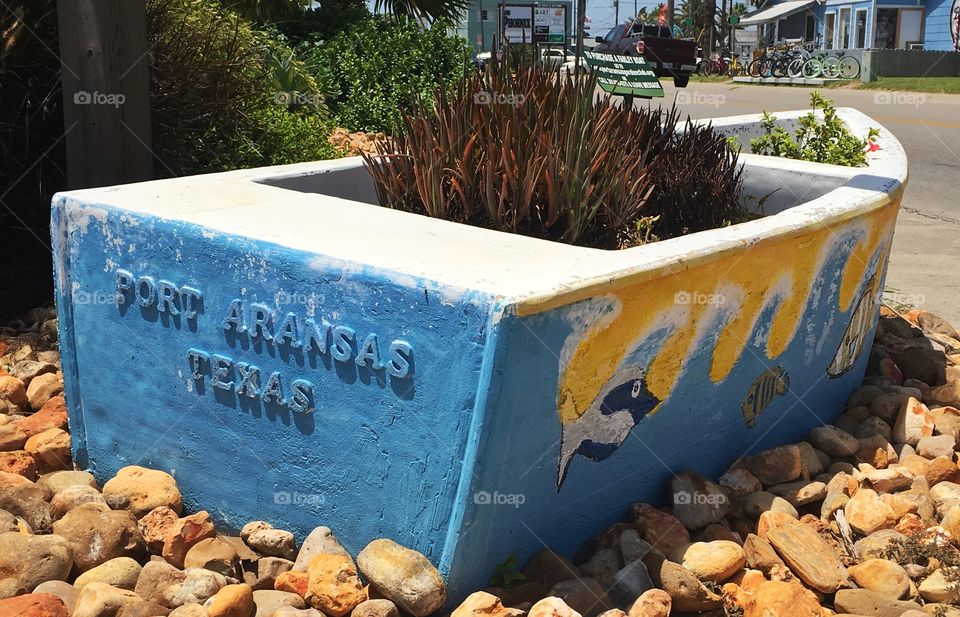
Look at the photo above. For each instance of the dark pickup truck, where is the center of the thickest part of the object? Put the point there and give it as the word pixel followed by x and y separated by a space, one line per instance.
pixel 668 57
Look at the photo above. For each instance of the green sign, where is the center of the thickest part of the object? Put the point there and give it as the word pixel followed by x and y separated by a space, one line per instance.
pixel 734 20
pixel 625 75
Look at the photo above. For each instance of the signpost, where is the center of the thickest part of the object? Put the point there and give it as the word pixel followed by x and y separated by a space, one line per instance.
pixel 550 24
pixel 627 76
pixel 517 23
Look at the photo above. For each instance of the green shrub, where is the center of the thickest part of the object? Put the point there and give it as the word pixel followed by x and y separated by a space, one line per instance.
pixel 822 141
pixel 527 151
pixel 379 65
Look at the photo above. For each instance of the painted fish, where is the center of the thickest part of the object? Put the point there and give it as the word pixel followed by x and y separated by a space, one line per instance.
pixel 624 400
pixel 771 383
pixel 855 337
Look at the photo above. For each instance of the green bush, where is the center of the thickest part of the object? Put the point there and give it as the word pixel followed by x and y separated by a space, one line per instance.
pixel 821 141
pixel 378 66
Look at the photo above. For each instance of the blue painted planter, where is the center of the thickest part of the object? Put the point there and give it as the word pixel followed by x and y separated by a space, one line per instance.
pixel 292 353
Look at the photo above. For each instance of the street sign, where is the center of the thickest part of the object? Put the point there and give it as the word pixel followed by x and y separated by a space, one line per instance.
pixel 550 23
pixel 518 23
pixel 624 75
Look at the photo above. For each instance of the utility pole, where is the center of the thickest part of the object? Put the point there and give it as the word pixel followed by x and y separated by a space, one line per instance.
pixel 616 13
pixel 670 15
pixel 578 53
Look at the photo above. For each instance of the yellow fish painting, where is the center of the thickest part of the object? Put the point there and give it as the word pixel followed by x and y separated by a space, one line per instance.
pixel 771 383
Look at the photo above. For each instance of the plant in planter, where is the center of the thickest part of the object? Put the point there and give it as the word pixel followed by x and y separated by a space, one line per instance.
pixel 825 140
pixel 523 150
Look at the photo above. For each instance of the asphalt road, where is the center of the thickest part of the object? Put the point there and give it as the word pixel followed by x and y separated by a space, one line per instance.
pixel 924 267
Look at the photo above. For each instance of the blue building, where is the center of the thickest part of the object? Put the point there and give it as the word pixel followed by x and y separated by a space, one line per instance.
pixel 861 24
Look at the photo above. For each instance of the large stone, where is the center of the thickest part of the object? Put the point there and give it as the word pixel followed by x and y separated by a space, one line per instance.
pixel 34 605
pixel 653 603
pixel 780 599
pixel 603 565
pixel 13 395
pixel 882 576
pixel 96 536
pixel 50 450
pixel 374 608
pixel 269 600
pixel 760 555
pixel 269 569
pixel 663 531
pixel 121 572
pixel 936 445
pixel 12 436
pixel 775 466
pixel 697 501
pixel 320 540
pixel 739 481
pixel 294 582
pixel 155 526
pixel 334 586
pixel 584 595
pixel 832 503
pixel 61 589
pixel 273 542
pixel 404 576
pixel 711 561
pixel 42 389
pixel 103 600
pixel 184 533
pixel 552 607
pixel 482 604
pixel 866 602
pixel 891 479
pixel 686 590
pixel 946 421
pixel 801 492
pixel 914 422
pixel 549 568
pixel 197 587
pixel 213 554
pixel 19 462
pixel 879 543
pixel 143 490
pixel 867 513
pixel 938 587
pixel 756 504
pixel 629 583
pixel 155 578
pixel 833 441
pixel 807 555
pixel 23 498
pixel 231 601
pixel 73 497
pixel 60 480
pixel 27 561
pixel 53 414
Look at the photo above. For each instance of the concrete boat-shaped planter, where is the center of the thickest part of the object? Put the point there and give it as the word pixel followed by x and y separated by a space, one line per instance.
pixel 295 354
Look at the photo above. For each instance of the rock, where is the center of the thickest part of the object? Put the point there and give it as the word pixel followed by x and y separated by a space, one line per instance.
pixel 189 610
pixel 21 497
pixel 480 604
pixel 320 540
pixel 244 552
pixel 584 595
pixel 27 561
pixel 937 588
pixel 891 479
pixel 602 566
pixel 101 600
pixel 663 531
pixel 155 578
pixel 874 426
pixel 800 493
pixel 19 462
pixel 633 547
pixel 294 582
pixel 739 481
pixel 213 554
pixel 34 605
pixel 942 469
pixel 760 555
pixel 334 586
pixel 882 576
pixel 712 561
pixel 866 602
pixel 61 589
pixel 402 575
pixel 775 466
pixel 57 481
pixel 231 601
pixel 945 395
pixel 121 572
pixel 879 543
pixel 273 542
pixel 269 600
pixel 831 504
pixel 914 422
pixel 780 599
pixel 377 608
pixel 53 414
pixel 887 405
pixel 26 370
pixel 196 587
pixel 716 531
pixel 697 501
pixel 629 583
pixel 653 603
pixel 550 568
pixel 756 504
pixel 876 451
pixel 12 436
pixel 96 536
pixel 867 513
pixel 613 612
pixel 42 388
pixel 289 611
pixel 685 589
pixel 13 395
pixel 183 534
pixel 833 441
pixel 155 527
pixel 252 527
pixel 552 607
pixel 946 421
pixel 268 569
pixel 144 489
pixel 50 450
pixel 936 445
pixel 807 555
pixel 74 497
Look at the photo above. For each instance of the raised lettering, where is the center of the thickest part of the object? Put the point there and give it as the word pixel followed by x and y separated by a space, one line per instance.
pixel 151 287
pixel 300 402
pixel 273 390
pixel 261 321
pixel 401 355
pixel 249 380
pixel 168 295
pixel 196 357
pixel 369 354
pixel 343 340
pixel 289 331
pixel 234 317
pixel 220 367
pixel 190 300
pixel 315 337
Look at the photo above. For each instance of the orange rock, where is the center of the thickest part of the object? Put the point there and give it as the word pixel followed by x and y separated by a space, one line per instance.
pixel 663 531
pixel 156 526
pixel 772 519
pixel 19 462
pixel 334 586
pixel 33 605
pixel 910 525
pixel 53 414
pixel 781 599
pixel 480 604
pixel 293 582
pixel 183 534
pixel 231 601
pixel 50 449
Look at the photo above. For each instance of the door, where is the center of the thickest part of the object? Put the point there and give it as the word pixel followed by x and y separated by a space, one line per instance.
pixel 860 29
pixel 911 22
pixel 844 42
pixel 829 24
pixel 885 31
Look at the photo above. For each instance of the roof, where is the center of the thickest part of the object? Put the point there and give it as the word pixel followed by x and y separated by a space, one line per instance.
pixel 775 12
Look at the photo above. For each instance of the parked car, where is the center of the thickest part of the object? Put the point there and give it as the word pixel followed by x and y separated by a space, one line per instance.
pixel 668 57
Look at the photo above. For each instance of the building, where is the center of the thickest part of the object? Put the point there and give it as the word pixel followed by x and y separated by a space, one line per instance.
pixel 861 24
pixel 547 23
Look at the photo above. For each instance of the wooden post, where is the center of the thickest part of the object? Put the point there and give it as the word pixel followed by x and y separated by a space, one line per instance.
pixel 106 91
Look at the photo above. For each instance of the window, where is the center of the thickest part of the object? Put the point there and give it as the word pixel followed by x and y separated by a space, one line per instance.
pixel 483 15
pixel 844 42
pixel 860 29
pixel 829 22
pixel 809 31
